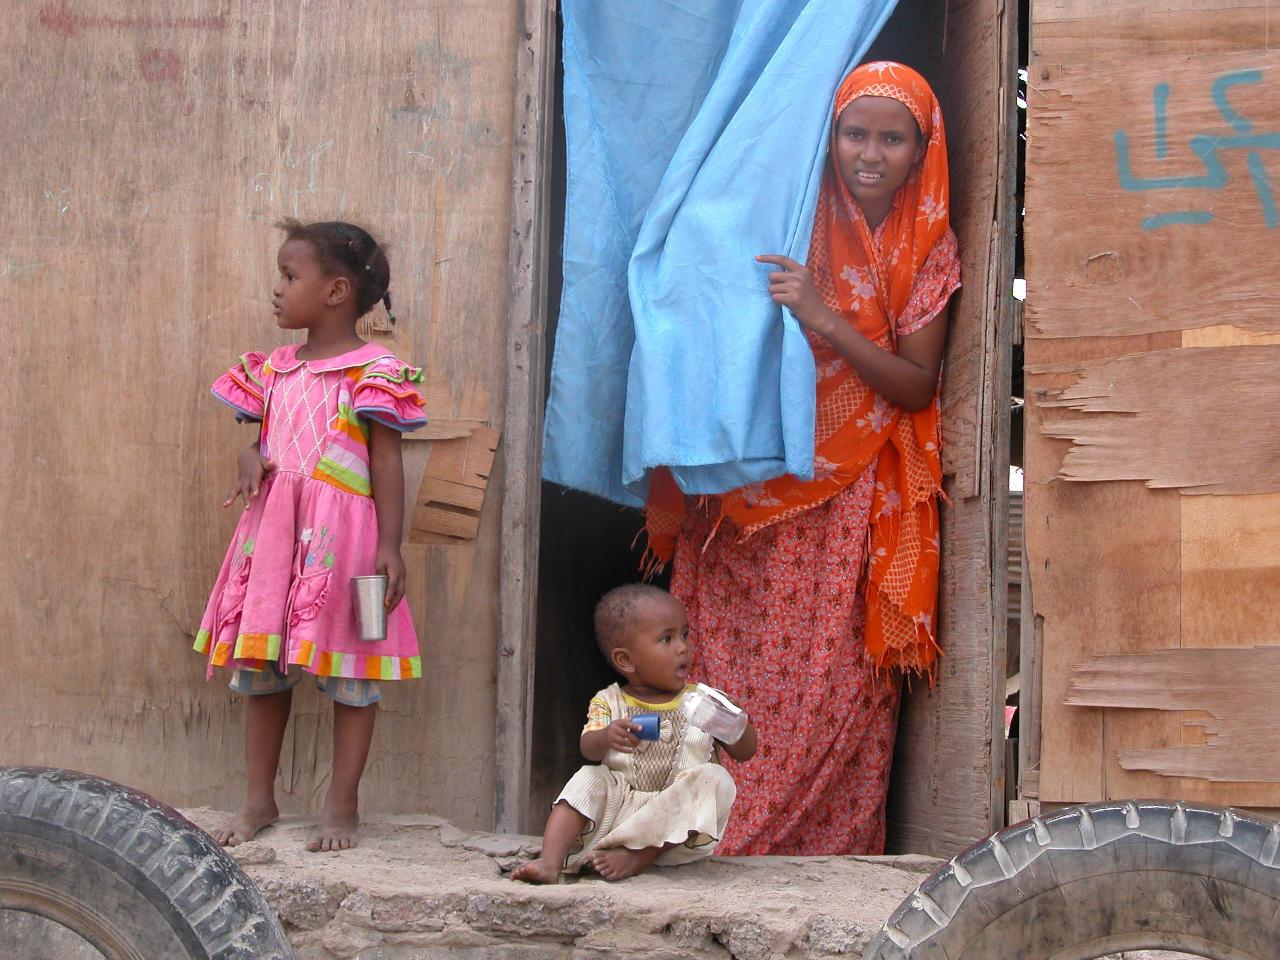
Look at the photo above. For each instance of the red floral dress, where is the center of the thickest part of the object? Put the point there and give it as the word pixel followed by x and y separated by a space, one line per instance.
pixel 777 624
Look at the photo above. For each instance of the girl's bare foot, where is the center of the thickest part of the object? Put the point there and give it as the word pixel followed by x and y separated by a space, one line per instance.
pixel 352 734
pixel 246 824
pixel 537 871
pixel 618 863
pixel 337 830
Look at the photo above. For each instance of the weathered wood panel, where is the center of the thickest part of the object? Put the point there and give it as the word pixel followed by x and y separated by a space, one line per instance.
pixel 1093 585
pixel 453 488
pixel 1237 689
pixel 1159 417
pixel 1150 231
pixel 147 151
pixel 1089 28
pixel 527 283
pixel 1165 157
pixel 948 781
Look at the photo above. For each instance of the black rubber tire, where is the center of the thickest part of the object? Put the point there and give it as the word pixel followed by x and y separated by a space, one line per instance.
pixel 1098 879
pixel 130 875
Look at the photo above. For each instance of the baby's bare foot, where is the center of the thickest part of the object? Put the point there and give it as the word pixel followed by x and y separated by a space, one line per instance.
pixel 246 824
pixel 618 863
pixel 337 831
pixel 537 871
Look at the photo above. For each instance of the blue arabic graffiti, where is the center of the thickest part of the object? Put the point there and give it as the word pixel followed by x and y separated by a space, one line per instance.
pixel 1208 150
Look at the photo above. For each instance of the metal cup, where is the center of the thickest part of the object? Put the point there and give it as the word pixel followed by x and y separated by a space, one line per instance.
pixel 369 597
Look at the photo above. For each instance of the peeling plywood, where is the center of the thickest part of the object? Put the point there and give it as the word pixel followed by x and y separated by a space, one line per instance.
pixel 1236 688
pixel 1173 418
pixel 1153 250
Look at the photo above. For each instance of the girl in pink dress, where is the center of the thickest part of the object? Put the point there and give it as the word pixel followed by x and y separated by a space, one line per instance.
pixel 323 493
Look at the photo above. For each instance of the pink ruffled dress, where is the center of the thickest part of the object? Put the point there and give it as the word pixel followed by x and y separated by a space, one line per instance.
pixel 283 595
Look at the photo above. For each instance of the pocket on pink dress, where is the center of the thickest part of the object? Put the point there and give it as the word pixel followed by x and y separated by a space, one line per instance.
pixel 307 595
pixel 231 603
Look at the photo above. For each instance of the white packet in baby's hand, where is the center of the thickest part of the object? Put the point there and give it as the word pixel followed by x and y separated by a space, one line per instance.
pixel 712 711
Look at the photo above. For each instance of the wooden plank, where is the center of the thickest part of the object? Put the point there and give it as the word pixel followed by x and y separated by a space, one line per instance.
pixel 1060 568
pixel 1088 28
pixel 467 461
pixel 452 492
pixel 145 160
pixel 1129 578
pixel 1013 582
pixel 1230 568
pixel 1070 556
pixel 940 767
pixel 1154 155
pixel 1158 417
pixel 948 787
pixel 526 345
pixel 445 429
pixel 433 525
pixel 1230 572
pixel 976 122
pixel 459 495
pixel 1237 688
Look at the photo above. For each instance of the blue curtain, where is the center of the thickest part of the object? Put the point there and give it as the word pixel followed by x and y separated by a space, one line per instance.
pixel 696 134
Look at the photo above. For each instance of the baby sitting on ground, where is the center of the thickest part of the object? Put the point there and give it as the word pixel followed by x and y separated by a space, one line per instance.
pixel 663 801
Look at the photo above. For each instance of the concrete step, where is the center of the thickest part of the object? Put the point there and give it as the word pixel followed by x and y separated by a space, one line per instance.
pixel 417 888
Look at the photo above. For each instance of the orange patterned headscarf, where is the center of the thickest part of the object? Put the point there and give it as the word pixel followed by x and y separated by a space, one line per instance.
pixel 866 278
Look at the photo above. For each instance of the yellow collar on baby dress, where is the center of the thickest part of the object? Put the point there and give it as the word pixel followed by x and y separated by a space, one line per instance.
pixel 673 704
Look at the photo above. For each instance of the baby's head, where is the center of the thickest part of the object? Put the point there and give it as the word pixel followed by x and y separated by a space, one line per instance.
pixel 644 634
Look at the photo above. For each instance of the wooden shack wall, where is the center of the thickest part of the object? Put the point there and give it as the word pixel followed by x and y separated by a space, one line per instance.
pixel 948 783
pixel 1152 488
pixel 147 148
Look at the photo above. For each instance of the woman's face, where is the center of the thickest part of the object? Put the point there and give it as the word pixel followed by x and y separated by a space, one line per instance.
pixel 877 143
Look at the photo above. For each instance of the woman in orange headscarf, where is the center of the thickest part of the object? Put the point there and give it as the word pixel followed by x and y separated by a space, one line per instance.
pixel 808 598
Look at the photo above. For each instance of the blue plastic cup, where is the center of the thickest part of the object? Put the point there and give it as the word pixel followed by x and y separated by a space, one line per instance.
pixel 648 724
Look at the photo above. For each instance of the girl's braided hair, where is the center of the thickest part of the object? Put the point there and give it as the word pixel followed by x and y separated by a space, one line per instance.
pixel 349 250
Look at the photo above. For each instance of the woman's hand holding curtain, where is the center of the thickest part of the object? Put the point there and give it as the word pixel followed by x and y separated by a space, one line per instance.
pixel 908 378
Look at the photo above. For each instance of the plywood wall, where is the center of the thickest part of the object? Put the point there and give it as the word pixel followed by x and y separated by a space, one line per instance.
pixel 146 149
pixel 1153 471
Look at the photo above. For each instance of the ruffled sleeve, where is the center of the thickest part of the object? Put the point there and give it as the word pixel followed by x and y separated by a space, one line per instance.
pixel 937 279
pixel 385 393
pixel 241 387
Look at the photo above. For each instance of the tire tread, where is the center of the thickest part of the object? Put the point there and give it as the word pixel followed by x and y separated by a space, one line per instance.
pixel 198 883
pixel 1222 844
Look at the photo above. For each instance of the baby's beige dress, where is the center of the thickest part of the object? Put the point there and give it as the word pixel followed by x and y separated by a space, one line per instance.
pixel 670 790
